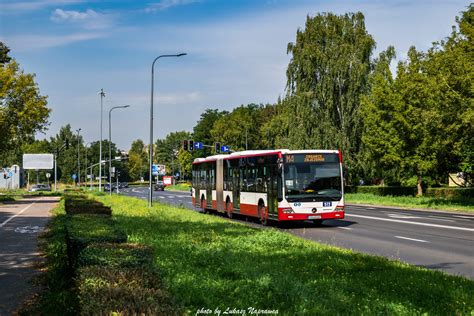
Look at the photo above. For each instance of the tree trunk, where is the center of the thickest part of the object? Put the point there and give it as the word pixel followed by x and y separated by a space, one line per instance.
pixel 420 189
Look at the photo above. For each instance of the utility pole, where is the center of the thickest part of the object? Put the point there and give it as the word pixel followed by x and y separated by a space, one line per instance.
pixel 102 95
pixel 78 160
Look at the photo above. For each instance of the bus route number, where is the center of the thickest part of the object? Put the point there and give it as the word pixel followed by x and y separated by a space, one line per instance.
pixel 313 158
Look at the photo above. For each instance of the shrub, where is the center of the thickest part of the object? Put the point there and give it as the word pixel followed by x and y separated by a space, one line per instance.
pixel 126 291
pixel 451 193
pixel 80 204
pixel 383 191
pixel 85 229
pixel 116 255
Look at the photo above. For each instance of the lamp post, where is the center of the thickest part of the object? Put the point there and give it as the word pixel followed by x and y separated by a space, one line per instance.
pixel 150 193
pixel 78 160
pixel 102 95
pixel 110 144
pixel 85 165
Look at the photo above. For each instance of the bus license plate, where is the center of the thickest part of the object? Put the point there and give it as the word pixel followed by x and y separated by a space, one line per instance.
pixel 314 217
pixel 327 204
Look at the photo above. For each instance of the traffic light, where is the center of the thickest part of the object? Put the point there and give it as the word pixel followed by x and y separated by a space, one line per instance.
pixel 185 144
pixel 191 145
pixel 218 147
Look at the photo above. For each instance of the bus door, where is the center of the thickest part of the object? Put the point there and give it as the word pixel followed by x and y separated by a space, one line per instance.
pixel 272 190
pixel 210 184
pixel 236 188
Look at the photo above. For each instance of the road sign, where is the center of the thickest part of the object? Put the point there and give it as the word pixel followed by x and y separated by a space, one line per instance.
pixel 198 145
pixel 225 149
pixel 74 176
pixel 154 170
pixel 48 175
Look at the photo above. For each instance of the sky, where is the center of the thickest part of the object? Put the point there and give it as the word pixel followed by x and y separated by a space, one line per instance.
pixel 236 54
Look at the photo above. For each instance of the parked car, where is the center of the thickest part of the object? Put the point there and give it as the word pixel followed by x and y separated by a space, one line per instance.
pixel 159 186
pixel 107 187
pixel 40 187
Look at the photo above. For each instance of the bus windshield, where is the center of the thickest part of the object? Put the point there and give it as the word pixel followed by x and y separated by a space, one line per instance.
pixel 313 181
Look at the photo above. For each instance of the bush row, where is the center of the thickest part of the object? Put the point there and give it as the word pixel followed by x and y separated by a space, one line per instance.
pixel 111 276
pixel 447 193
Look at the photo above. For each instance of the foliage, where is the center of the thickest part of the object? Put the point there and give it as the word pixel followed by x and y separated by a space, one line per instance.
pixel 166 152
pixel 116 255
pixel 138 160
pixel 185 160
pixel 209 262
pixel 202 130
pixel 23 110
pixel 327 74
pixel 420 123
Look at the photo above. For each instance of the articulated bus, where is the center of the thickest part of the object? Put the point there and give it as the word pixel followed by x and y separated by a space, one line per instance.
pixel 278 185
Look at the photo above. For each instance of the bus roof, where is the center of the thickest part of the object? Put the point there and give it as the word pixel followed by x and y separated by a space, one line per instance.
pixel 255 153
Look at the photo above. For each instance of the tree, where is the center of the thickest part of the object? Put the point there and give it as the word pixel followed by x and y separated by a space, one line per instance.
pixel 185 160
pixel 167 150
pixel 202 130
pixel 327 74
pixel 23 111
pixel 138 160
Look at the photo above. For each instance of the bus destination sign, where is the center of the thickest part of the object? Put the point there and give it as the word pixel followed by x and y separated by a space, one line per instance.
pixel 309 158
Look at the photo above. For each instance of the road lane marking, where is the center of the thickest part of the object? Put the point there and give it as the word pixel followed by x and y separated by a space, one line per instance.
pixel 392 215
pixel 12 217
pixel 460 216
pixel 412 223
pixel 412 239
pixel 346 228
pixel 436 218
pixel 162 197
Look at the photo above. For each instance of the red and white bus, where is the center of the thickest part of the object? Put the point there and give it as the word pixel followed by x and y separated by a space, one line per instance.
pixel 279 185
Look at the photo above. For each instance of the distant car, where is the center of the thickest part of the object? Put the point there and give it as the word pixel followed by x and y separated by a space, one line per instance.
pixel 123 185
pixel 159 186
pixel 40 187
pixel 107 186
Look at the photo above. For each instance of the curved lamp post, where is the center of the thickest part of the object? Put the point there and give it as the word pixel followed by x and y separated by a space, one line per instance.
pixel 150 149
pixel 110 144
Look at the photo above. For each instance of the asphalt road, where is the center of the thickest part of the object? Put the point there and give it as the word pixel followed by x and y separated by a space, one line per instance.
pixel 20 223
pixel 434 240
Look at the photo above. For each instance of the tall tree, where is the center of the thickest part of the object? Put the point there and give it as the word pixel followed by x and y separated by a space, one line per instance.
pixel 202 130
pixel 327 74
pixel 23 111
pixel 167 150
pixel 137 160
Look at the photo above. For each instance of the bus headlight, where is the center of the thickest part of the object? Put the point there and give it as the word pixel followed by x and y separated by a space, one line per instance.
pixel 287 210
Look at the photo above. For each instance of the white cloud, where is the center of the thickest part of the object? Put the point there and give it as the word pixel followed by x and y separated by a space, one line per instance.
pixel 166 4
pixel 34 42
pixel 88 19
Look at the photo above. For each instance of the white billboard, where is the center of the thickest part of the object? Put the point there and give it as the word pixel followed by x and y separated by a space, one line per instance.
pixel 38 161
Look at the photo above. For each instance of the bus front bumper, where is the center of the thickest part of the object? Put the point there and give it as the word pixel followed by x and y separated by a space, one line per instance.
pixel 303 217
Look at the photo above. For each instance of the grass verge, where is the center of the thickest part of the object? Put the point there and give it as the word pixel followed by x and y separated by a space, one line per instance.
pixel 179 187
pixel 463 205
pixel 209 263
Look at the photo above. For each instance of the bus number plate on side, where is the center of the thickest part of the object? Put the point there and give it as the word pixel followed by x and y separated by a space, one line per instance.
pixel 327 204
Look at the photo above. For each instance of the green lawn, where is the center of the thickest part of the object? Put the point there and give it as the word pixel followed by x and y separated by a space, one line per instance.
pixel 208 262
pixel 466 205
pixel 179 187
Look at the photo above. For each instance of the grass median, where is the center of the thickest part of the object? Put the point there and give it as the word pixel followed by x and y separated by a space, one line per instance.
pixel 209 263
pixel 435 203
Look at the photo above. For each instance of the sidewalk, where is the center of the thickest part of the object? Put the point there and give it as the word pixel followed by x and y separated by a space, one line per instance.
pixel 20 224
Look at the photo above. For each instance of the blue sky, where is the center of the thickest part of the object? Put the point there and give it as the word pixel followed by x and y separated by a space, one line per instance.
pixel 236 53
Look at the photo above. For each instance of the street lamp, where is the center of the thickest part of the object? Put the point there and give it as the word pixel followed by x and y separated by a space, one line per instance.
pixel 85 166
pixel 150 193
pixel 110 144
pixel 102 95
pixel 78 160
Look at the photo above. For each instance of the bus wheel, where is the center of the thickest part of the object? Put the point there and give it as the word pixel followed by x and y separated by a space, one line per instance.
pixel 228 210
pixel 317 222
pixel 263 215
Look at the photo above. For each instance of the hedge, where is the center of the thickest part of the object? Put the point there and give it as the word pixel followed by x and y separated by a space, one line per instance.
pixel 452 193
pixel 116 255
pixel 123 291
pixel 79 204
pixel 85 229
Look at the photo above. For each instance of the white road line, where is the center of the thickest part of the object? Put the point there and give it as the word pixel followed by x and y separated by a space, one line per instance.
pixel 370 208
pixel 12 217
pixel 412 223
pixel 346 228
pixel 162 197
pixel 460 216
pixel 402 216
pixel 412 239
pixel 440 219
